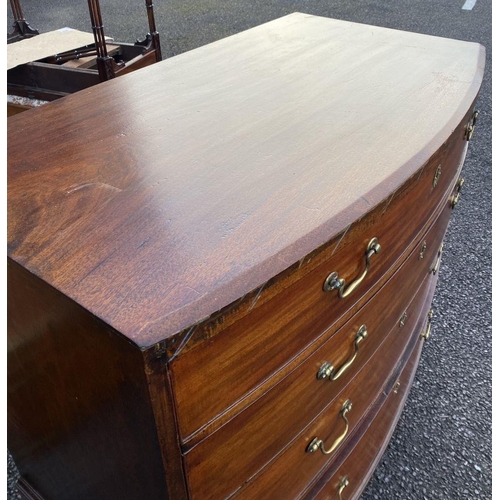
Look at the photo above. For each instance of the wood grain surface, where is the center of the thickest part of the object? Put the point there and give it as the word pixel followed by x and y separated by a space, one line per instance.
pixel 162 196
pixel 396 227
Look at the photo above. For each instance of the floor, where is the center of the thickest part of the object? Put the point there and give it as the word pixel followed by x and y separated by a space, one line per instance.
pixel 442 446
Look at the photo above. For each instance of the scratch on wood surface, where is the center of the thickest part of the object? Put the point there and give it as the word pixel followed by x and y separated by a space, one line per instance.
pixel 241 298
pixel 185 340
pixel 315 209
pixel 389 202
pixel 100 185
pixel 143 243
pixel 158 182
pixel 257 297
pixel 97 266
pixel 301 262
pixel 191 288
pixel 341 238
pixel 366 201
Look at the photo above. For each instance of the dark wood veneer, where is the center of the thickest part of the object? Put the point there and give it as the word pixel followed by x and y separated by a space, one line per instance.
pixel 80 419
pixel 390 221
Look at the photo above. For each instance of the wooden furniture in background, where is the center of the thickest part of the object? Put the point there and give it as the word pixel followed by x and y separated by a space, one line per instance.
pixel 57 75
pixel 107 66
pixel 22 29
pixel 227 294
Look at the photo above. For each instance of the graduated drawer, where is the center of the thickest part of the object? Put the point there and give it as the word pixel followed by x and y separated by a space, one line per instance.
pixel 264 428
pixel 227 366
pixel 290 475
pixel 352 468
pixel 350 478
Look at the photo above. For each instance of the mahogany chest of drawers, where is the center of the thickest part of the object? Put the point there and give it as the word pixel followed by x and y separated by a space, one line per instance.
pixel 220 268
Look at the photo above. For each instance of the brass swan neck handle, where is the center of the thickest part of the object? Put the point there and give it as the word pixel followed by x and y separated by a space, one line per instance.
pixel 327 370
pixel 333 282
pixel 317 444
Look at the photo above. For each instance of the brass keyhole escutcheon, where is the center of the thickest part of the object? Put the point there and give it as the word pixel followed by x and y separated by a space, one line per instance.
pixel 402 320
pixel 436 176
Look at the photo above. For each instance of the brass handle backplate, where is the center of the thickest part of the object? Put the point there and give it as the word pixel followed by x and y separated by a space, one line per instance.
pixel 469 129
pixel 396 387
pixel 333 282
pixel 427 333
pixel 423 248
pixel 454 199
pixel 435 268
pixel 328 371
pixel 317 444
pixel 344 482
pixel 437 174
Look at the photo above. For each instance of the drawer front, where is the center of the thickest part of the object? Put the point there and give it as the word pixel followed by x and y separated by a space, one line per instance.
pixel 358 461
pixel 229 365
pixel 270 423
pixel 290 475
pixel 352 476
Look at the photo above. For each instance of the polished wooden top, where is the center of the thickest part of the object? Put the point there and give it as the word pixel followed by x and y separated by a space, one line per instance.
pixel 159 197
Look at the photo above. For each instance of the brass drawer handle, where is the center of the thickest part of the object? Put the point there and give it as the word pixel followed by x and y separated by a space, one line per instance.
pixel 328 371
pixel 333 282
pixel 425 335
pixel 317 444
pixel 469 130
pixel 454 199
pixel 435 268
pixel 344 482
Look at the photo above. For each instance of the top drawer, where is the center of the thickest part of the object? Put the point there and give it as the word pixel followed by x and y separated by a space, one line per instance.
pixel 211 375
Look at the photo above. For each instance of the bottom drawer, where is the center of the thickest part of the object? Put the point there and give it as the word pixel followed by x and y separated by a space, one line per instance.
pixel 290 475
pixel 348 481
